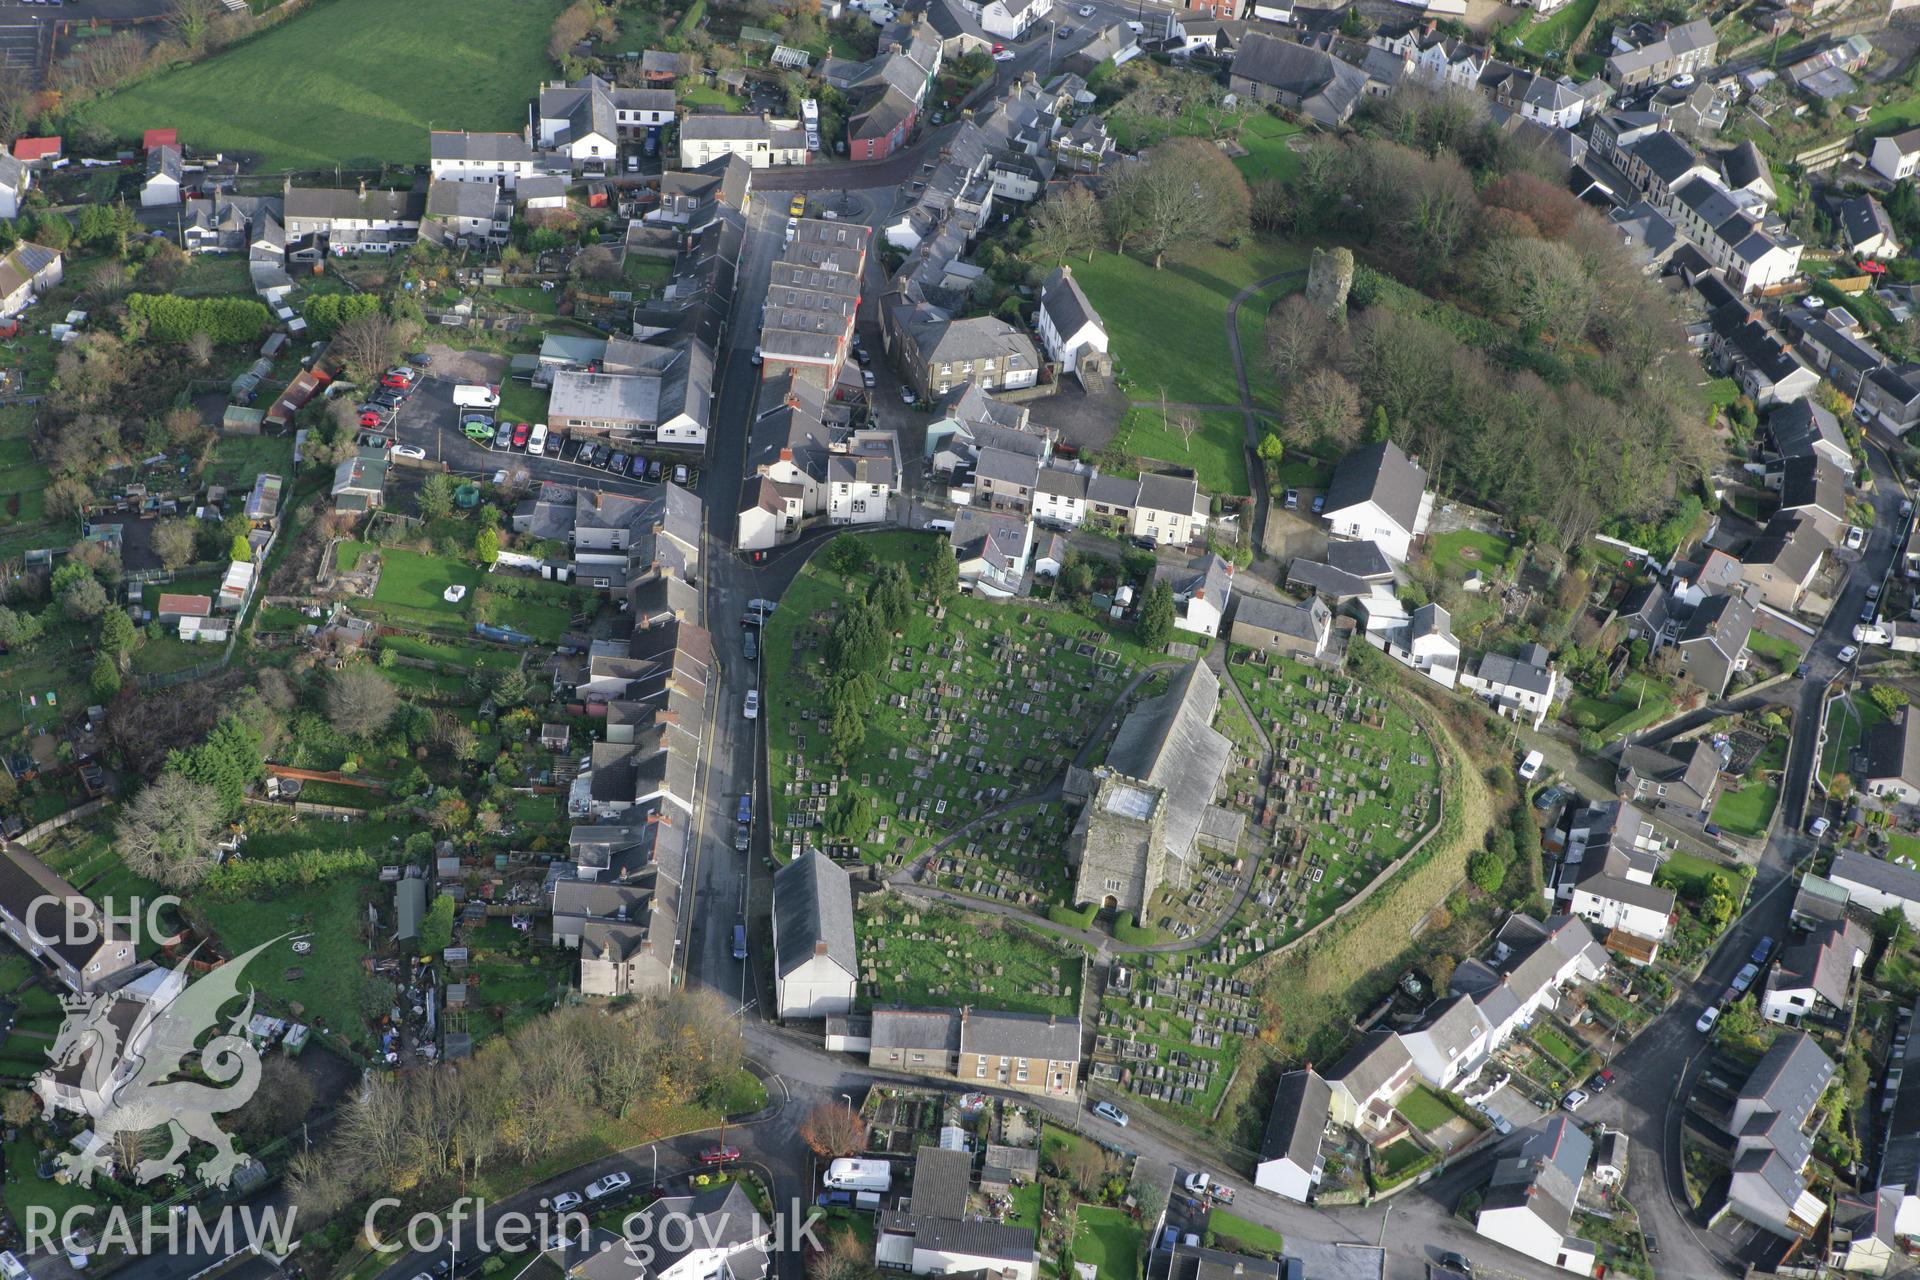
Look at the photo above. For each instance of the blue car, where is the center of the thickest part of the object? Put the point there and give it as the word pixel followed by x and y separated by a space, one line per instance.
pixel 745 812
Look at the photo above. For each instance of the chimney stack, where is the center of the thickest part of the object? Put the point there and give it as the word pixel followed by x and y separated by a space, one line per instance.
pixel 820 947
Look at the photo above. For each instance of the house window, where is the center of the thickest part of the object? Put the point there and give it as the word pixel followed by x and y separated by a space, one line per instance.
pixel 980 1072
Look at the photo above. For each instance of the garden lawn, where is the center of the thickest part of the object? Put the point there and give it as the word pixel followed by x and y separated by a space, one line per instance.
pixel 1558 1047
pixel 1216 455
pixel 1234 1230
pixel 544 613
pixel 1108 1239
pixel 1783 652
pixel 1397 1160
pixel 1168 327
pixel 1692 875
pixel 1557 32
pixel 238 459
pixel 1459 553
pixel 522 403
pixel 412 586
pixel 370 78
pixel 23 480
pixel 1424 1109
pixel 1268 156
pixel 1747 812
pixel 329 978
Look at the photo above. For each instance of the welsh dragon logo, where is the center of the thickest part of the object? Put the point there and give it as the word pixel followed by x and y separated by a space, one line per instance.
pixel 125 1085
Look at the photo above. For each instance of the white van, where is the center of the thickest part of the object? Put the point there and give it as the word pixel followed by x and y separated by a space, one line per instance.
pixel 1530 767
pixel 940 526
pixel 537 440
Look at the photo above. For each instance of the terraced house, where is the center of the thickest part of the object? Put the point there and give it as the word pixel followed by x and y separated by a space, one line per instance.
pixel 1025 1052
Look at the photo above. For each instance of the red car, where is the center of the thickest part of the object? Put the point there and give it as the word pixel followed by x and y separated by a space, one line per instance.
pixel 719 1155
pixel 520 433
pixel 370 419
pixel 999 48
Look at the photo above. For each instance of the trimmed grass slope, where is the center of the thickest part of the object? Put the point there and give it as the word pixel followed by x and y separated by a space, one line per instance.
pixel 369 77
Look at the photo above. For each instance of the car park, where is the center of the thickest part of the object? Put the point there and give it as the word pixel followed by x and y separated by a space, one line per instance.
pixel 587 453
pixel 601 1188
pixel 1707 1019
pixel 619 464
pixel 567 1200
pixel 537 443
pixel 1107 1111
pixel 412 451
pixel 478 432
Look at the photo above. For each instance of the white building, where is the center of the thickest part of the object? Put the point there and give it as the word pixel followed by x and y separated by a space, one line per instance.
pixel 1522 687
pixel 15 178
pixel 1068 323
pixel 499 158
pixel 1201 590
pixel 1877 884
pixel 1896 155
pixel 1425 643
pixel 1815 976
pixel 816 956
pixel 933 1246
pixel 166 173
pixel 759 140
pixel 1378 495
pixel 1290 1163
pixel 1529 1205
pixel 1008 19
pixel 862 480
pixel 1451 1045
pixel 1060 496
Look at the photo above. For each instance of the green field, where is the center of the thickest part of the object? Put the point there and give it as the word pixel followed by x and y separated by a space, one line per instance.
pixel 1424 1109
pixel 1217 454
pixel 351 82
pixel 1168 327
pixel 1109 1239
pixel 1747 812
pixel 1458 553
pixel 1557 1047
pixel 1238 1234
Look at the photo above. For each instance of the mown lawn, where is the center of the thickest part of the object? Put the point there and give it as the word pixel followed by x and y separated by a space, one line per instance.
pixel 1556 32
pixel 1268 155
pixel 1747 812
pixel 1234 1230
pixel 1216 455
pixel 1424 1110
pixel 350 82
pixel 1108 1239
pixel 1168 327
pixel 1458 553
pixel 1847 724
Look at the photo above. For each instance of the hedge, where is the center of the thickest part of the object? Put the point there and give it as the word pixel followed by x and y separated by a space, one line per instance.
pixel 227 321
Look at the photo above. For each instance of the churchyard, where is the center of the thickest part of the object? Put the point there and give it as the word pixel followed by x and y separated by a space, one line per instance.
pixel 933 956
pixel 1023 846
pixel 1354 782
pixel 1168 1028
pixel 980 704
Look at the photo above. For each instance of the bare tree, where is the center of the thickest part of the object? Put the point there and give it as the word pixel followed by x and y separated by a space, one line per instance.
pixel 173 542
pixel 1323 406
pixel 842 1259
pixel 368 344
pixel 200 348
pixel 167 832
pixel 1067 224
pixel 1184 189
pixel 16 99
pixel 360 701
pixel 1186 422
pixel 833 1129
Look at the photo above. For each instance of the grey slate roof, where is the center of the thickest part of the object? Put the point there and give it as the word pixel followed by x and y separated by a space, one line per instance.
pixel 965 1238
pixel 1381 474
pixel 1723 621
pixel 1893 750
pixel 1799 425
pixel 1365 1069
pixel 941 1180
pixel 1020 1035
pixel 1664 154
pixel 1169 741
pixel 1065 303
pixel 489 148
pixel 1822 962
pixel 1301 621
pixel 1514 673
pixel 813 906
pixel 1875 873
pixel 1169 493
pixel 1301 1105
pixel 328 203
pixel 1545 1175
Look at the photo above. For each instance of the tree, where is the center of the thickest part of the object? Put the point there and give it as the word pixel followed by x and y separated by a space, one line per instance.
pixel 1487 871
pixel 360 701
pixel 843 1258
pixel 486 546
pixel 846 555
pixel 369 344
pixel 436 927
pixel 436 496
pixel 450 813
pixel 191 20
pixel 200 348
pixel 943 572
pixel 67 498
pixel 834 1129
pixel 104 680
pixel 1323 406
pixel 229 761
pixel 117 632
pixel 83 598
pixel 1065 225
pixel 1271 448
pixel 1184 190
pixel 1888 698
pixel 167 831
pixel 1840 787
pixel 173 542
pixel 1156 618
pixel 240 549
pixel 17 629
pixel 279 1103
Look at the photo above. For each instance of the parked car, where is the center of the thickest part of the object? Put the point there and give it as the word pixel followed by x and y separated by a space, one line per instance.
pixel 1849 653
pixel 1868 609
pixel 566 1200
pixel 1319 503
pixel 1599 1081
pixel 719 1155
pixel 1220 1194
pixel 618 464
pixel 752 711
pixel 1744 979
pixel 419 359
pixel 601 1188
pixel 1107 1111
pixel 370 416
pixel 1293 499
pixel 861 355
pixel 798 207
pixel 1145 543
pixel 680 473
pixel 413 451
pixel 1762 951
pixel 1856 537
pixel 1707 1019
pixel 587 454
pixel 1005 55
pixel 750 644
pixel 1198 1183
pixel 522 431
pixel 1575 1099
pixel 1818 827
pixel 503 436
pixel 906 395
pixel 1085 11
pixel 1456 1262
pixel 1873 591
pixel 866 379
pixel 478 432
pixel 653 468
